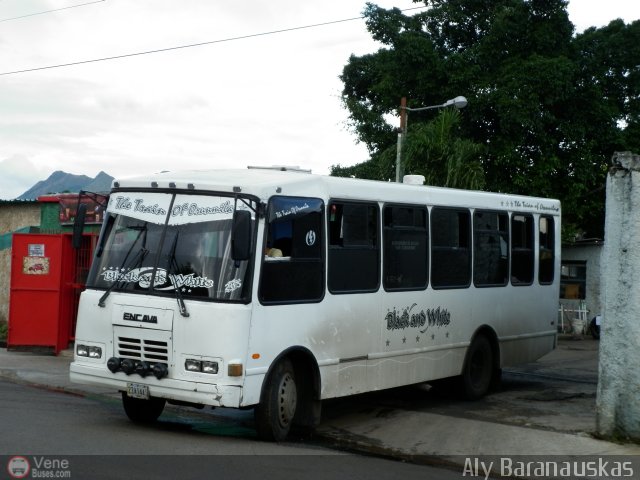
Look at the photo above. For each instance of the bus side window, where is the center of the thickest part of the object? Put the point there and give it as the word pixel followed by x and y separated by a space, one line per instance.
pixel 522 260
pixel 547 247
pixel 490 249
pixel 292 270
pixel 406 248
pixel 450 248
pixel 354 250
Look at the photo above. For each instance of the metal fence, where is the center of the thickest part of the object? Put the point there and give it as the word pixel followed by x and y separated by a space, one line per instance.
pixel 573 319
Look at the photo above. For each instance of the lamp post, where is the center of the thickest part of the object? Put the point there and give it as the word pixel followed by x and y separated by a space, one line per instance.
pixel 458 102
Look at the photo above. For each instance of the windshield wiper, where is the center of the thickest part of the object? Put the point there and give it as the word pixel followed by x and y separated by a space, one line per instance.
pixel 139 256
pixel 174 267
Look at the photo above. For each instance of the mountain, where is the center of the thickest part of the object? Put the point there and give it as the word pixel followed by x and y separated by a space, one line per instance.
pixel 100 184
pixel 62 182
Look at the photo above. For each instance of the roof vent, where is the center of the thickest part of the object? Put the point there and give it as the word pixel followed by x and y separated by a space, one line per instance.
pixel 413 179
pixel 281 168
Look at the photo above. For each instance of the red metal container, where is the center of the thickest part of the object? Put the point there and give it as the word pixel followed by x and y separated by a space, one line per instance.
pixel 47 275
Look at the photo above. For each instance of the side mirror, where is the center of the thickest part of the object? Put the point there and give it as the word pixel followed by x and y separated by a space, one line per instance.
pixel 241 236
pixel 78 226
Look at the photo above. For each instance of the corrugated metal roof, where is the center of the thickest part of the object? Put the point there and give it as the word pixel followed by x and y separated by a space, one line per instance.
pixel 15 201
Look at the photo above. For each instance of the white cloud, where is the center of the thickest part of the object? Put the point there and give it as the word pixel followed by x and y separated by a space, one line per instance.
pixel 597 13
pixel 16 176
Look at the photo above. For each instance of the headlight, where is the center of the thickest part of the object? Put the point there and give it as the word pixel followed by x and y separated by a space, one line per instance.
pixel 160 370
pixel 199 366
pixel 88 351
pixel 193 365
pixel 210 367
pixel 128 366
pixel 95 352
pixel 113 364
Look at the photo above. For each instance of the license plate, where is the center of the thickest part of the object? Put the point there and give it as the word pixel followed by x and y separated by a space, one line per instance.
pixel 138 390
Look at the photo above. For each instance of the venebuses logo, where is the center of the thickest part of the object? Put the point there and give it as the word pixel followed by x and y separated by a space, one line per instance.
pixel 18 467
pixel 39 467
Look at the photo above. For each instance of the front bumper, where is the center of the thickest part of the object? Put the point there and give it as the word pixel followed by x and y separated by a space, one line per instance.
pixel 185 391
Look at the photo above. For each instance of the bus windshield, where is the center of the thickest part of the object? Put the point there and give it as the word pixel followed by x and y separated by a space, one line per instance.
pixel 187 255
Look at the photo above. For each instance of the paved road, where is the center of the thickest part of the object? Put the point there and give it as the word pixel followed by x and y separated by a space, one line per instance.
pixel 97 441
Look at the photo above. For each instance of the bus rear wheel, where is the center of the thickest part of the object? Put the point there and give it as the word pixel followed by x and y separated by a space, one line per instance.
pixel 142 411
pixel 478 369
pixel 276 411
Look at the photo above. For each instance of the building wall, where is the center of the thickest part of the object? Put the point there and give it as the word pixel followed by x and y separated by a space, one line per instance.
pixel 50 219
pixel 13 216
pixel 591 254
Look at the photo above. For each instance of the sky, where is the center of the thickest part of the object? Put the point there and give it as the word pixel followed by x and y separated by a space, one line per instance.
pixel 262 100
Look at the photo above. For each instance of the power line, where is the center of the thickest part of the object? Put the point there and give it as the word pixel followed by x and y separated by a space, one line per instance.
pixel 179 47
pixel 49 11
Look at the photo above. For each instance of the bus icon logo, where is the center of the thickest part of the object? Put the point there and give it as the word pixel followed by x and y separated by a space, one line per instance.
pixel 310 238
pixel 18 467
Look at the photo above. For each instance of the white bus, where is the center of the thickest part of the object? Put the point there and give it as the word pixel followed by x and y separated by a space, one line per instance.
pixel 278 289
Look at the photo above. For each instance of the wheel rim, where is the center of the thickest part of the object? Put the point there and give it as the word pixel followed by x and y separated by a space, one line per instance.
pixel 287 399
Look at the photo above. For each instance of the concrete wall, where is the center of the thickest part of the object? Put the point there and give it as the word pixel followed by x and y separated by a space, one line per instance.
pixel 618 400
pixel 5 271
pixel 13 216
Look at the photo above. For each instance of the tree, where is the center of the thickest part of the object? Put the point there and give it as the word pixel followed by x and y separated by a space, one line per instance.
pixel 431 149
pixel 548 107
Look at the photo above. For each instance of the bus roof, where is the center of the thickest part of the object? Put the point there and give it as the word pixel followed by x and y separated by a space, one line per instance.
pixel 265 183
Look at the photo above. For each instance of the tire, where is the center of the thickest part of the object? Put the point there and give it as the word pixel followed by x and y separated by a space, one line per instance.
pixel 142 411
pixel 277 409
pixel 478 369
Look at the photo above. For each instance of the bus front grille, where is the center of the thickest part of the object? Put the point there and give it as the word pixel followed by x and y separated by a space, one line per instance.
pixel 143 349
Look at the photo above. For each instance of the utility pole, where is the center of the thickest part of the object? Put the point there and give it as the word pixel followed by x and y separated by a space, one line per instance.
pixel 401 133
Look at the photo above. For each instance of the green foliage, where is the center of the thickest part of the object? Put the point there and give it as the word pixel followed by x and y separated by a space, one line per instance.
pixel 430 149
pixel 3 330
pixel 547 108
pixel 434 150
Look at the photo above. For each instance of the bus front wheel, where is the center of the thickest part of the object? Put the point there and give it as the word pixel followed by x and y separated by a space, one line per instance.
pixel 275 413
pixel 478 368
pixel 142 411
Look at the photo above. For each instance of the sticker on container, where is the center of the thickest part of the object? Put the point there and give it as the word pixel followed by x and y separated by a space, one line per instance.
pixel 36 249
pixel 35 265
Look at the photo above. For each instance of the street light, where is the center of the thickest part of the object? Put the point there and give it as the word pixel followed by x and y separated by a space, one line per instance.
pixel 457 102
